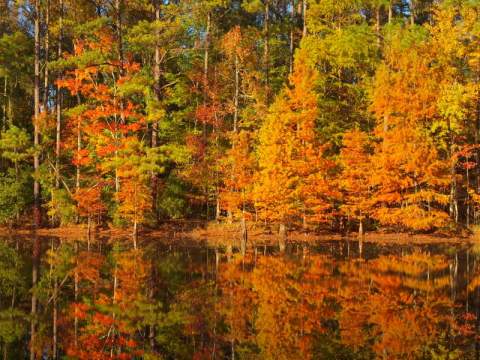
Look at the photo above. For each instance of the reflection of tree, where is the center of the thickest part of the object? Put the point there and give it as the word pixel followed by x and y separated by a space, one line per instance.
pixel 275 310
pixel 397 305
pixel 12 292
pixel 274 307
pixel 108 316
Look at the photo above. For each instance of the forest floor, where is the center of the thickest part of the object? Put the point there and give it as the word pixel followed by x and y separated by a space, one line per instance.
pixel 221 234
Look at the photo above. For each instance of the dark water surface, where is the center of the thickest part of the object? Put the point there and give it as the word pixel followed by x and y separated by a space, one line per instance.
pixel 104 300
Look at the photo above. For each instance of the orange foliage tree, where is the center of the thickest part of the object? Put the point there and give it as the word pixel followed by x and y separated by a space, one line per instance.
pixel 409 175
pixel 293 179
pixel 105 130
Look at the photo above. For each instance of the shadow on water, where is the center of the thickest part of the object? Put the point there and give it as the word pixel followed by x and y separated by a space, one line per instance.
pixel 102 299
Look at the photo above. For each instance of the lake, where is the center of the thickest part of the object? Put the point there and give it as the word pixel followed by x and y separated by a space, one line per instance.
pixel 102 299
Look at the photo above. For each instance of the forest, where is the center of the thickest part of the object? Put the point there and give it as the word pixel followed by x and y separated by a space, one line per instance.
pixel 345 114
pixel 120 118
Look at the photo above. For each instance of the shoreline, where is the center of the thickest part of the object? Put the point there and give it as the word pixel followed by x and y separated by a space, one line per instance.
pixel 229 234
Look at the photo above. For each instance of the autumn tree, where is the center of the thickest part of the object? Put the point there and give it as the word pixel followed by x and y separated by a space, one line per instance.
pixel 293 178
pixel 410 175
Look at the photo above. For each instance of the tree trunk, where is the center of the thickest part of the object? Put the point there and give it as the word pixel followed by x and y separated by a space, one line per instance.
pixel 58 103
pixel 236 94
pixel 377 26
pixel 205 68
pixel 205 94
pixel 158 96
pixel 360 229
pixel 292 35
pixel 5 102
pixel 244 237
pixel 390 12
pixel 119 30
pixel 266 50
pixel 412 12
pixel 282 237
pixel 36 131
pixel 135 234
pixel 46 50
pixel 304 11
pixel 79 148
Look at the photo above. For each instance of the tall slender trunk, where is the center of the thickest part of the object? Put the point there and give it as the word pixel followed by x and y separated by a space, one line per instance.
pixel 236 94
pixel 377 26
pixel 266 50
pixel 282 237
pixel 46 50
pixel 5 102
pixel 36 184
pixel 205 67
pixel 412 12
pixel 304 11
pixel 292 35
pixel 79 148
pixel 390 11
pixel 453 173
pixel 360 229
pixel 36 127
pixel 205 93
pixel 158 96
pixel 58 102
pixel 244 237
pixel 119 30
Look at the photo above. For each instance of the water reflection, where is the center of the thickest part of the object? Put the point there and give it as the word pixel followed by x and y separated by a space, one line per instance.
pixel 104 300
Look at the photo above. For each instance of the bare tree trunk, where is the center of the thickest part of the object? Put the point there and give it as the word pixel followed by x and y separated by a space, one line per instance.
pixel 36 184
pixel 236 94
pixel 304 32
pixel 390 11
pixel 282 237
pixel 244 238
pixel 79 148
pixel 292 35
pixel 58 103
pixel 377 26
pixel 36 131
pixel 205 94
pixel 47 49
pixel 119 30
pixel 5 102
pixel 412 12
pixel 266 50
pixel 158 96
pixel 135 234
pixel 205 67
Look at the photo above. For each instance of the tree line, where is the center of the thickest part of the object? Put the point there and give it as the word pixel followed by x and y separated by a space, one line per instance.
pixel 346 113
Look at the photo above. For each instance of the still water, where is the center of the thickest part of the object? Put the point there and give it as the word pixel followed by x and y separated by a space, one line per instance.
pixel 104 300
